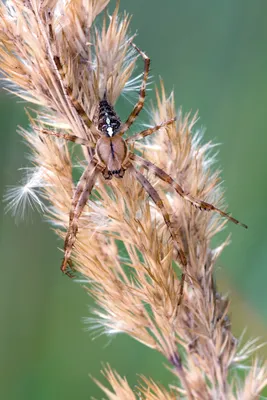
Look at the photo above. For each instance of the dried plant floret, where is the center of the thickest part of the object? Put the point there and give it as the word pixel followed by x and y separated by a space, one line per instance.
pixel 147 389
pixel 55 55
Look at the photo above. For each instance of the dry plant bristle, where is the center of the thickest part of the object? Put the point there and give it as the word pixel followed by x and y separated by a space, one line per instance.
pixel 124 250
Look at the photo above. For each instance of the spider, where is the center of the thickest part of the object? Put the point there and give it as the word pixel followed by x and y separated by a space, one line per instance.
pixel 111 157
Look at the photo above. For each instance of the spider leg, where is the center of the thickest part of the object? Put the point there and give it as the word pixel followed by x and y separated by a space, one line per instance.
pixel 71 138
pixel 142 94
pixel 87 173
pixel 159 203
pixel 202 205
pixel 69 90
pixel 76 104
pixel 81 195
pixel 176 241
pixel 181 291
pixel 149 131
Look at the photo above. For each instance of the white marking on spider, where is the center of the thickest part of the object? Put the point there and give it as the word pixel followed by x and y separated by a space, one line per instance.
pixel 109 128
pixel 110 131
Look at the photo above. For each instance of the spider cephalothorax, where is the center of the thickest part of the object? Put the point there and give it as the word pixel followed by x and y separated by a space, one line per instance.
pixel 110 156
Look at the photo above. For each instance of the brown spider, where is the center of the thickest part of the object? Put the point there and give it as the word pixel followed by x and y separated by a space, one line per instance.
pixel 111 158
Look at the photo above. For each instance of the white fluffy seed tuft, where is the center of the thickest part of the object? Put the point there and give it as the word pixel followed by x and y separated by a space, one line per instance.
pixel 26 196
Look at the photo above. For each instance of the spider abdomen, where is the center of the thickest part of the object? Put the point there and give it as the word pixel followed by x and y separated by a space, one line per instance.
pixel 112 152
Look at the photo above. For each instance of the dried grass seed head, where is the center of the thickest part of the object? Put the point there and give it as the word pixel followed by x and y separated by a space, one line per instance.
pixel 137 290
pixel 94 60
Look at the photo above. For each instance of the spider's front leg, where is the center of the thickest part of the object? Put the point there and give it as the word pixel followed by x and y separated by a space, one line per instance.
pixel 149 131
pixel 81 195
pixel 142 93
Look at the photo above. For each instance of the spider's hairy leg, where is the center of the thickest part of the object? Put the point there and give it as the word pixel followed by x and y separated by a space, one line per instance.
pixel 71 138
pixel 81 195
pixel 67 87
pixel 176 241
pixel 159 203
pixel 149 131
pixel 202 205
pixel 76 104
pixel 85 177
pixel 142 94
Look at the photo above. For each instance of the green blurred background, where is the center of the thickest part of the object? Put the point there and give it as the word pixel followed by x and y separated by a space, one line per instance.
pixel 213 54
